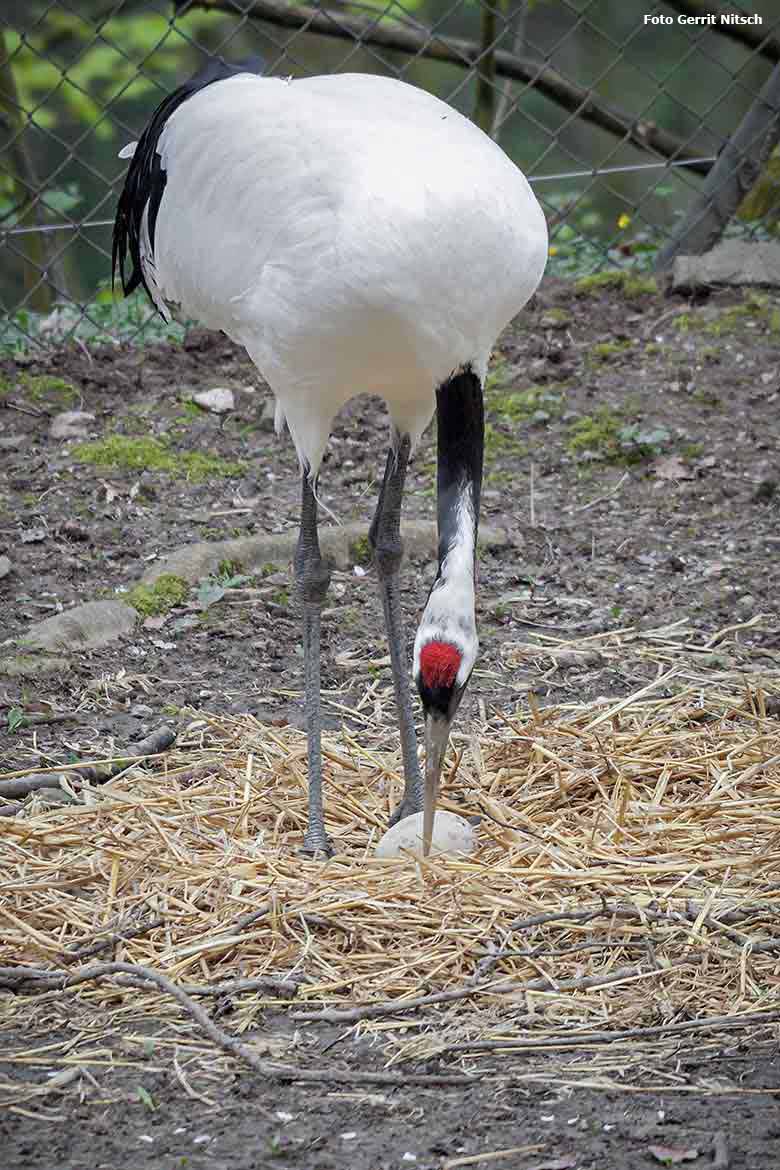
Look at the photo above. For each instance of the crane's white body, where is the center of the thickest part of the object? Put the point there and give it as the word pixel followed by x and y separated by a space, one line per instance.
pixel 354 233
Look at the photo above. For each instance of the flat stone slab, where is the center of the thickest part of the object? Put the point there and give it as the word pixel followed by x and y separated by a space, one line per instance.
pixel 731 263
pixel 193 562
pixel 71 424
pixel 31 666
pixel 84 628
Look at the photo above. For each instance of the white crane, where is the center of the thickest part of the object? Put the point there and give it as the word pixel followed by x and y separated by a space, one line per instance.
pixel 354 234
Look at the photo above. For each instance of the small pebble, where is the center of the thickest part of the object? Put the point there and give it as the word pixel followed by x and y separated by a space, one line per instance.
pixel 71 424
pixel 220 400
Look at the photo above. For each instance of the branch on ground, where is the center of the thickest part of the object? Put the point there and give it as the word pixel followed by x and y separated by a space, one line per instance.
pixel 154 744
pixel 135 975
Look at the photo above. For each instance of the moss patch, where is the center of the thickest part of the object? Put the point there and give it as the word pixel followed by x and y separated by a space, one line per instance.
pixel 145 454
pixel 607 351
pixel 608 437
pixel 757 311
pixel 522 405
pixel 497 442
pixel 633 285
pixel 360 551
pixel 167 592
pixel 41 388
pixel 555 319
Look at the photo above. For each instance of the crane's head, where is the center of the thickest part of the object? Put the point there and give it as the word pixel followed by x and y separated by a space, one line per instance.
pixel 442 668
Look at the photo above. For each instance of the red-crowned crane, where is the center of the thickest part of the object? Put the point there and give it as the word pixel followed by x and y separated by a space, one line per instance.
pixel 354 234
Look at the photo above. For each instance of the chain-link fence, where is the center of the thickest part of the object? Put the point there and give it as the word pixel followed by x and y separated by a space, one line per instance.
pixel 616 109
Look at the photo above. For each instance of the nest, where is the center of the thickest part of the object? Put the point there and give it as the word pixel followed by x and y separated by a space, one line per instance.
pixel 627 877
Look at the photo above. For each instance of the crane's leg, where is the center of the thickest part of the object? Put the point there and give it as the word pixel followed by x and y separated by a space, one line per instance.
pixel 385 538
pixel 313 577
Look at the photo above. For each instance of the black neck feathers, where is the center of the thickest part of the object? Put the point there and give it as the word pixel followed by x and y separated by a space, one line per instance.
pixel 460 417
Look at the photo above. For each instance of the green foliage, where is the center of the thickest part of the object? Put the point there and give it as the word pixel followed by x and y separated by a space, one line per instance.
pixel 61 67
pixel 145 1098
pixel 584 240
pixel 167 592
pixel 15 718
pixel 360 550
pixel 148 454
pixel 213 589
pixel 103 321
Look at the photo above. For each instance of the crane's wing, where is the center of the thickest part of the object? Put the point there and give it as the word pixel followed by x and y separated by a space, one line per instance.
pixel 139 203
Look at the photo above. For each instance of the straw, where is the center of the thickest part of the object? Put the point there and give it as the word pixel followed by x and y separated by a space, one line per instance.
pixel 627 878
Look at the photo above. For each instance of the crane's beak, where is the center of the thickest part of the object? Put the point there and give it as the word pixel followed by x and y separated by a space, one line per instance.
pixel 437 733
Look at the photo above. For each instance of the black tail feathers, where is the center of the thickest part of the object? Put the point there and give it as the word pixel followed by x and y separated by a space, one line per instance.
pixel 145 179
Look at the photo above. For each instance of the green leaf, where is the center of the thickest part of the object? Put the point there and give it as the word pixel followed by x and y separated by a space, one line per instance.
pixel 145 1098
pixel 209 592
pixel 15 719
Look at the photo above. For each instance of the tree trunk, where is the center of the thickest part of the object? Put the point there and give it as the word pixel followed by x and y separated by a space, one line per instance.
pixel 738 166
pixel 25 186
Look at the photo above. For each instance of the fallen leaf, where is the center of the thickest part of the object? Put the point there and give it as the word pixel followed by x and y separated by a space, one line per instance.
pixel 672 467
pixel 157 622
pixel 673 1155
pixel 209 592
pixel 32 535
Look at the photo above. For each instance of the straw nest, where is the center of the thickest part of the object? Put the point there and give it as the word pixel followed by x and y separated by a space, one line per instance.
pixel 627 877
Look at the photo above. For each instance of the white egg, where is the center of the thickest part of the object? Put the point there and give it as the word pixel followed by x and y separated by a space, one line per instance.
pixel 451 834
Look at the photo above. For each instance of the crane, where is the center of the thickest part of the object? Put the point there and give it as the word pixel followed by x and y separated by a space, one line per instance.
pixel 354 234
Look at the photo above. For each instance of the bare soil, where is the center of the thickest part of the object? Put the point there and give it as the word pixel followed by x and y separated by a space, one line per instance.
pixel 662 509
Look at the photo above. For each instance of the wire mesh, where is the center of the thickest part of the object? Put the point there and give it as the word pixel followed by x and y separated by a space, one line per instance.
pixel 616 112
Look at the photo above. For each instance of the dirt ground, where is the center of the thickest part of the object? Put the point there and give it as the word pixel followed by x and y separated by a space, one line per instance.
pixel 633 458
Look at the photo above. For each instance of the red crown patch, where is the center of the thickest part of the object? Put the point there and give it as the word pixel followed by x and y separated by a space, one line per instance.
pixel 439 664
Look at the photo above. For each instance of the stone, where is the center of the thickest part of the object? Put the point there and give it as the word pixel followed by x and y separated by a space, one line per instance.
pixel 85 627
pixel 266 422
pixel 193 562
pixel 220 400
pixel 5 566
pixel 451 834
pixel 71 424
pixel 32 666
pixel 13 442
pixel 746 604
pixel 733 262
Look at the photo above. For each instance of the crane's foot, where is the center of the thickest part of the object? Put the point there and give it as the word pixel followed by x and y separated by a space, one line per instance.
pixel 316 842
pixel 407 808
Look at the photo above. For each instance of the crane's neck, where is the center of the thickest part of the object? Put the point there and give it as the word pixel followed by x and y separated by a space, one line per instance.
pixel 449 614
pixel 461 434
